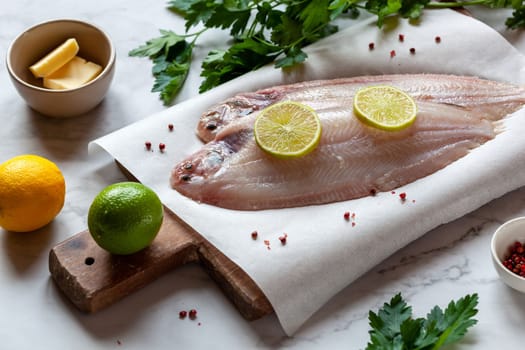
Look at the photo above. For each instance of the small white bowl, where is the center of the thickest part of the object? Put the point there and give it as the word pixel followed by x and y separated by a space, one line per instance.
pixel 35 42
pixel 502 240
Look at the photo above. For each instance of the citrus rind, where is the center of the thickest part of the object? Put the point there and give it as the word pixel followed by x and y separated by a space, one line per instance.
pixel 125 218
pixel 32 192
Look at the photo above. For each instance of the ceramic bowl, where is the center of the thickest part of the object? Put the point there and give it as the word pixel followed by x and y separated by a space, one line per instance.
pixel 502 240
pixel 35 42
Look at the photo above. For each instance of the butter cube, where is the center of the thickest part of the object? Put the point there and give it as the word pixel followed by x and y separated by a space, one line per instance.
pixel 55 59
pixel 73 74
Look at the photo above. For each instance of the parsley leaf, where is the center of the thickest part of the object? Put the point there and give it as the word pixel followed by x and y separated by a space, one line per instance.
pixel 170 79
pixel 393 327
pixel 235 18
pixel 387 322
pixel 181 6
pixel 171 55
pixel 383 9
pixel 293 56
pixel 412 9
pixel 517 20
pixel 156 46
pixel 454 322
pixel 315 15
pixel 242 57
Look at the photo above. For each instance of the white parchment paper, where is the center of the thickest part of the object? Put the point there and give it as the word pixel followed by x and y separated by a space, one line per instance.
pixel 324 252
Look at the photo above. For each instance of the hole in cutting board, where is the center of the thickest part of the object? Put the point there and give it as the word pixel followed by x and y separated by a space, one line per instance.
pixel 89 261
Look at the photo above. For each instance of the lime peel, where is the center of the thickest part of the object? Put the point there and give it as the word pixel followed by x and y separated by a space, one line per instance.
pixel 287 130
pixel 125 217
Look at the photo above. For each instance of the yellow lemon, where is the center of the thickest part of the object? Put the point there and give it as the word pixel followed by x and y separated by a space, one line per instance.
pixel 385 107
pixel 32 192
pixel 125 217
pixel 287 129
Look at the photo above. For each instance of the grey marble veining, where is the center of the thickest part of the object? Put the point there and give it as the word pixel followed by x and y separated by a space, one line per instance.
pixel 447 263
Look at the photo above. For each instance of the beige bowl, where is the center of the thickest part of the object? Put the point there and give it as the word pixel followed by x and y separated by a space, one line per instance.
pixel 36 42
pixel 502 240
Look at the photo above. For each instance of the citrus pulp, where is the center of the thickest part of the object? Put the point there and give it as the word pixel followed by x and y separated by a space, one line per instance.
pixel 385 107
pixel 287 129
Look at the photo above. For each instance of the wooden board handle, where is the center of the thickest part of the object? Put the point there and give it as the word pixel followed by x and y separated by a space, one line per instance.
pixel 94 279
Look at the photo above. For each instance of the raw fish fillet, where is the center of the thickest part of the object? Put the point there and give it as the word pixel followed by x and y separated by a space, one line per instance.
pixel 490 97
pixel 352 160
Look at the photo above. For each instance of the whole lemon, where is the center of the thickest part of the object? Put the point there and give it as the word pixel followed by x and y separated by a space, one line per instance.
pixel 125 217
pixel 32 192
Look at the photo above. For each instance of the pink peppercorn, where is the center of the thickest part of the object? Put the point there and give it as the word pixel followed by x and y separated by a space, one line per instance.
pixel 515 259
pixel 193 313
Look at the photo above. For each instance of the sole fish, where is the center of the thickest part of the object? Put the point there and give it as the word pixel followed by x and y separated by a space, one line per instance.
pixel 352 160
pixel 464 91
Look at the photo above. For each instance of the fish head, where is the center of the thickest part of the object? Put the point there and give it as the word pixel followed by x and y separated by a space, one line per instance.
pixel 200 166
pixel 200 175
pixel 211 122
pixel 217 117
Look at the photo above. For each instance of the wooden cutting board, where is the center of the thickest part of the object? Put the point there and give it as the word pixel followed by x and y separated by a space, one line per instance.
pixel 93 279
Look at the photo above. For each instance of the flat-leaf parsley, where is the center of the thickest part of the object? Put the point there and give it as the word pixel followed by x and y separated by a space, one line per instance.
pixel 393 327
pixel 270 31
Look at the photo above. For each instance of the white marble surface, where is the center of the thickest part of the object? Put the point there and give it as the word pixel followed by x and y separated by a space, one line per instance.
pixel 445 264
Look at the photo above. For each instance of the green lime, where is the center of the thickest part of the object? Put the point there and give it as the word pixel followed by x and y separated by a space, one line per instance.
pixel 287 129
pixel 385 107
pixel 125 217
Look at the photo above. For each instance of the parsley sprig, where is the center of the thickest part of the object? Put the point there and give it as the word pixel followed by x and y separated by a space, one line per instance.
pixel 274 31
pixel 394 328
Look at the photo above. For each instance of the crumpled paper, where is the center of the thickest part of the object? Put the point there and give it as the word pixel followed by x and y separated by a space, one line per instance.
pixel 324 252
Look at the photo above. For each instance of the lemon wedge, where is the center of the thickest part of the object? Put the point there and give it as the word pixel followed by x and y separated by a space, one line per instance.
pixel 385 107
pixel 287 129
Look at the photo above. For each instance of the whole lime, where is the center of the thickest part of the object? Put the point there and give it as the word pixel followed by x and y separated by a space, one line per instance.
pixel 125 217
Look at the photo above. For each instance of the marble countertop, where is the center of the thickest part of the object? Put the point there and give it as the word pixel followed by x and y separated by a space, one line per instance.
pixel 447 263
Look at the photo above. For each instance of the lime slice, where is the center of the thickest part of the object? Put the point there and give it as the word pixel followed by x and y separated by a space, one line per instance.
pixel 287 129
pixel 385 107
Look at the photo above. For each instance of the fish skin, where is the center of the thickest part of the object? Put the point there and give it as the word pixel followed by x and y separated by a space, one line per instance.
pixel 352 159
pixel 494 97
